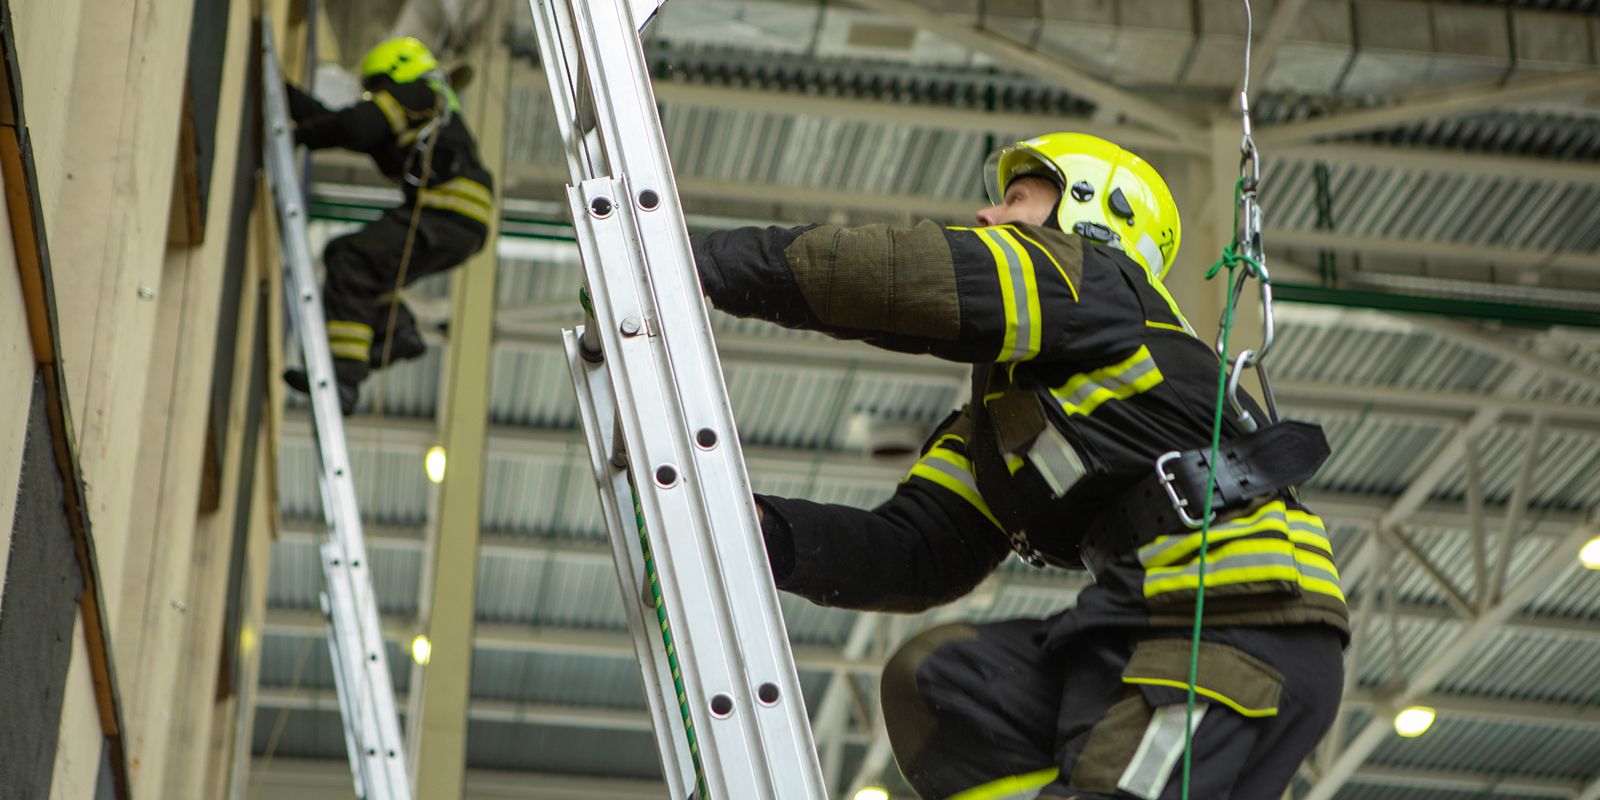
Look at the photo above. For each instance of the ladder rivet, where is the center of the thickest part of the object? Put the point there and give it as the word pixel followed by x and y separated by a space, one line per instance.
pixel 336 562
pixel 355 562
pixel 372 751
pixel 722 706
pixel 631 326
pixel 666 476
pixel 373 657
pixel 706 438
pixel 306 297
pixel 339 471
pixel 648 200
pixel 600 207
pixel 767 693
pixel 392 754
pixel 322 383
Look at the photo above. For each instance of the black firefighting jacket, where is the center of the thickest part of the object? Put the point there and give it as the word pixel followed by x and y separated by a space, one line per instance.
pixel 386 127
pixel 1085 372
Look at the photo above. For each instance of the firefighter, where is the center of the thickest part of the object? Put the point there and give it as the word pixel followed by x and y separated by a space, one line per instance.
pixel 409 121
pixel 1085 373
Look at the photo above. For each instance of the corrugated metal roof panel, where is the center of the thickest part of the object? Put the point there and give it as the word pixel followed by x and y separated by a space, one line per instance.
pixel 1490 748
pixel 557 679
pixel 560 750
pixel 301 662
pixel 1518 665
pixel 391 486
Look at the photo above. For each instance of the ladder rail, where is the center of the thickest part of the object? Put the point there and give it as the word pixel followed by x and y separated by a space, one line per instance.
pixel 740 689
pixel 598 423
pixel 355 642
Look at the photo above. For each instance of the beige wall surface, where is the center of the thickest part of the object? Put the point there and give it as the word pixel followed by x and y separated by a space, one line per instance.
pixel 47 49
pixel 16 390
pixel 137 323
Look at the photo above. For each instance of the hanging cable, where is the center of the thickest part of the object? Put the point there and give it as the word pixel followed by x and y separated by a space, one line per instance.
pixel 1244 258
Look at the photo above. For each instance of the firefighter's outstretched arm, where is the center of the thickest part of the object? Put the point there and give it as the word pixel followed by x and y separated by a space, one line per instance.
pixel 1006 293
pixel 930 543
pixel 359 127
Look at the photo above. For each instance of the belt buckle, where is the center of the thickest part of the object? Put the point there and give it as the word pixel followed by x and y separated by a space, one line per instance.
pixel 1169 482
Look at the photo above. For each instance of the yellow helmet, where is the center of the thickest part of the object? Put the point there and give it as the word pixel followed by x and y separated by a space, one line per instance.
pixel 1107 192
pixel 403 60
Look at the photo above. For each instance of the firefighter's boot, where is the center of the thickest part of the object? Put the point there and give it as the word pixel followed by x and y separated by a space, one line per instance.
pixel 349 373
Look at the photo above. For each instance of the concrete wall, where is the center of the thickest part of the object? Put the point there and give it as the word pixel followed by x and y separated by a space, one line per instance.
pixel 137 320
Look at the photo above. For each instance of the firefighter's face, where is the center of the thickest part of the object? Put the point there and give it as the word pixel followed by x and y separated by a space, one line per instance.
pixel 1028 200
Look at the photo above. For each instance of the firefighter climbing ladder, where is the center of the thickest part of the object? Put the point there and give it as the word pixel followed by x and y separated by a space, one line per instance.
pixel 355 641
pixel 718 674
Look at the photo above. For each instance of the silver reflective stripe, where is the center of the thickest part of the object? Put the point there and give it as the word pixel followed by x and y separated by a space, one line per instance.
pixel 1308 527
pixel 1215 567
pixel 1055 459
pixel 1019 295
pixel 1314 571
pixel 1147 774
pixel 1151 251
pixel 1134 372
pixel 966 478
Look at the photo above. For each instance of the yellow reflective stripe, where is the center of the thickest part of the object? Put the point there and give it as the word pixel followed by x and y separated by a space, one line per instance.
pixel 339 329
pixel 1084 393
pixel 1014 463
pixel 466 208
pixel 1247 561
pixel 1321 586
pixel 953 472
pixel 1166 326
pixel 1214 695
pixel 353 351
pixel 1049 255
pixel 1002 265
pixel 1004 788
pixel 1310 539
pixel 1167 550
pixel 467 188
pixel 1030 294
pixel 392 111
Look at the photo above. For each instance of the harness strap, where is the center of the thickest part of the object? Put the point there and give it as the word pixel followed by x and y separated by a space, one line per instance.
pixel 1266 463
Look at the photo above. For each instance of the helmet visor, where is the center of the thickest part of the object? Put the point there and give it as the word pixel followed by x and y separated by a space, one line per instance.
pixel 1008 162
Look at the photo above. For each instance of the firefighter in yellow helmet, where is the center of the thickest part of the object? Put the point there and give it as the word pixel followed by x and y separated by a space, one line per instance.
pixel 1087 382
pixel 409 122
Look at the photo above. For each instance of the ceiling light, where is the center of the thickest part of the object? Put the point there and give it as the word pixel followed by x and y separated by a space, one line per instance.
pixel 421 650
pixel 1589 556
pixel 1413 721
pixel 434 464
pixel 871 793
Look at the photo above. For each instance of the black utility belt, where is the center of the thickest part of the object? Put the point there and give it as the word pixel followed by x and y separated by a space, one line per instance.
pixel 1173 498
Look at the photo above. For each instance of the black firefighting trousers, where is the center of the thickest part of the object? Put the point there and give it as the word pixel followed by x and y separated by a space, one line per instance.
pixel 363 266
pixel 987 711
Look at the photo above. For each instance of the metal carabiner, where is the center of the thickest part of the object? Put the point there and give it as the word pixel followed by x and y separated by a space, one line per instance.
pixel 1241 362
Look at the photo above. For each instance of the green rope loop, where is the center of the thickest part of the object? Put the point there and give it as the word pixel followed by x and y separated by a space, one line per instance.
pixel 1231 260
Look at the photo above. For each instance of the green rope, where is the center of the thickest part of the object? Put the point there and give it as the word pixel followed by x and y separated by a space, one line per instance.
pixel 1231 259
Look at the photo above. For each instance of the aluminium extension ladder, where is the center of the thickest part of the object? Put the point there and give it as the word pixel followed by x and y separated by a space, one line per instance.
pixel 355 640
pixel 697 590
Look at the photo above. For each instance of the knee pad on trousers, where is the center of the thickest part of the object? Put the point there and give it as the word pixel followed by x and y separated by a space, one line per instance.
pixel 907 715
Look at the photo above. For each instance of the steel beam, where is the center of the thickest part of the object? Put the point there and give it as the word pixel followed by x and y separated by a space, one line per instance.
pixel 1049 68
pixel 438 719
pixel 1476 165
pixel 1429 105
pixel 1435 668
pixel 1467 782
pixel 1558 261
